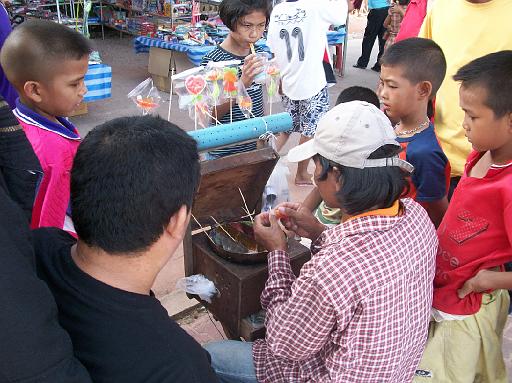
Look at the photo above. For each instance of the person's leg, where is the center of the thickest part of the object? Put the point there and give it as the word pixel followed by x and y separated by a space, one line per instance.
pixel 469 350
pixel 282 139
pixel 291 107
pixel 303 177
pixel 382 13
pixel 311 111
pixel 232 361
pixel 370 33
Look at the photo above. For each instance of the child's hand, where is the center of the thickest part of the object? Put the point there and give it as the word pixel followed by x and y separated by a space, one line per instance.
pixel 252 66
pixel 479 283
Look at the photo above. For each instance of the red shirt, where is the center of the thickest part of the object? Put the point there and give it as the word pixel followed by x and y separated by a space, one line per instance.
pixel 475 234
pixel 359 310
pixel 413 18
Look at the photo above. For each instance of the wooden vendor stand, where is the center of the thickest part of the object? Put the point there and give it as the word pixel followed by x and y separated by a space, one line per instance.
pixel 239 285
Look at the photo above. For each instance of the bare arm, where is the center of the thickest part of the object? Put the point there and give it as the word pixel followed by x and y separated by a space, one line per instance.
pixel 312 200
pixel 436 210
pixel 486 280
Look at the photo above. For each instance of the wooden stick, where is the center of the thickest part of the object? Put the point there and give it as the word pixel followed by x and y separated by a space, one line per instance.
pixel 224 230
pixel 246 207
pixel 230 111
pixel 201 226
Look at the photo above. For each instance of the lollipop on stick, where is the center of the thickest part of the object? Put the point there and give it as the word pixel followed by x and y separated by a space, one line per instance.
pixel 244 100
pixel 230 90
pixel 145 96
pixel 272 82
pixel 213 81
pixel 195 85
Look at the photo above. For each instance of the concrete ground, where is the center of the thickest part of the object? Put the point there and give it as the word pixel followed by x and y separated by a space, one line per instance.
pixel 129 69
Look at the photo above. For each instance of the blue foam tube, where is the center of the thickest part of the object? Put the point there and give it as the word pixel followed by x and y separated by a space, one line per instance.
pixel 252 128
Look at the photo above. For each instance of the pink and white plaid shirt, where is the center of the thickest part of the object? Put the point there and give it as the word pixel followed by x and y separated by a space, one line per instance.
pixel 359 311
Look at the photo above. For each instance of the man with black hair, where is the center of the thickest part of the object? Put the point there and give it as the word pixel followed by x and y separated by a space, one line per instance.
pixel 34 347
pixel 132 185
pixel 359 310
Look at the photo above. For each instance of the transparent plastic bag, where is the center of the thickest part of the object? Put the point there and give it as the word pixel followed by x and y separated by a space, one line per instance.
pixel 244 101
pixel 199 285
pixel 272 82
pixel 276 190
pixel 214 77
pixel 146 96
pixel 229 80
pixel 191 89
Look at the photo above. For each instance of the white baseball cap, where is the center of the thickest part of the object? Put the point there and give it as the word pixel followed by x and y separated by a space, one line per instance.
pixel 348 134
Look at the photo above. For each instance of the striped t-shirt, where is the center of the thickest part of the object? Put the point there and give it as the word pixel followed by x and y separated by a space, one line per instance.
pixel 255 92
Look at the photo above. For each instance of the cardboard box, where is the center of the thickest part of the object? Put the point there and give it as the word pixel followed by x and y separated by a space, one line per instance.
pixel 161 61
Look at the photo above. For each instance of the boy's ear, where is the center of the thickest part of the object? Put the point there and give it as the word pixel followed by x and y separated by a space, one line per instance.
pixel 32 90
pixel 178 223
pixel 424 89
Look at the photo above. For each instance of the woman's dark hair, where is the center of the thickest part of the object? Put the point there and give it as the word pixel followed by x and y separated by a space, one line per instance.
pixel 369 188
pixel 230 11
pixel 129 177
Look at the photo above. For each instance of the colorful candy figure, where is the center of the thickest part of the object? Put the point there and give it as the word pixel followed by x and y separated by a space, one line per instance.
pixel 230 78
pixel 147 104
pixel 272 83
pixel 245 105
pixel 195 85
pixel 213 78
pixel 145 96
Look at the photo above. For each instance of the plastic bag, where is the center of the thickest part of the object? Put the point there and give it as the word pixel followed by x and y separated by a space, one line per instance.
pixel 276 190
pixel 272 82
pixel 214 85
pixel 199 285
pixel 230 78
pixel 191 86
pixel 146 96
pixel 244 101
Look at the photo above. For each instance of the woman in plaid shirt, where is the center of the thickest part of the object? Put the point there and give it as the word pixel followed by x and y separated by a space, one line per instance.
pixel 359 311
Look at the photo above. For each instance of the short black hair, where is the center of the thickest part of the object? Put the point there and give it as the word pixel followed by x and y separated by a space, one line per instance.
pixel 358 93
pixel 36 47
pixel 230 11
pixel 420 59
pixel 369 188
pixel 493 72
pixel 129 177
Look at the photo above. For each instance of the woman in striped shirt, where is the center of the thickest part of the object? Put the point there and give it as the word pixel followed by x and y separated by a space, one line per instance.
pixel 246 20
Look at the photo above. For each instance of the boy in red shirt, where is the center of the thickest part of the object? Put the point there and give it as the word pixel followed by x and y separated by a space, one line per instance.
pixel 475 237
